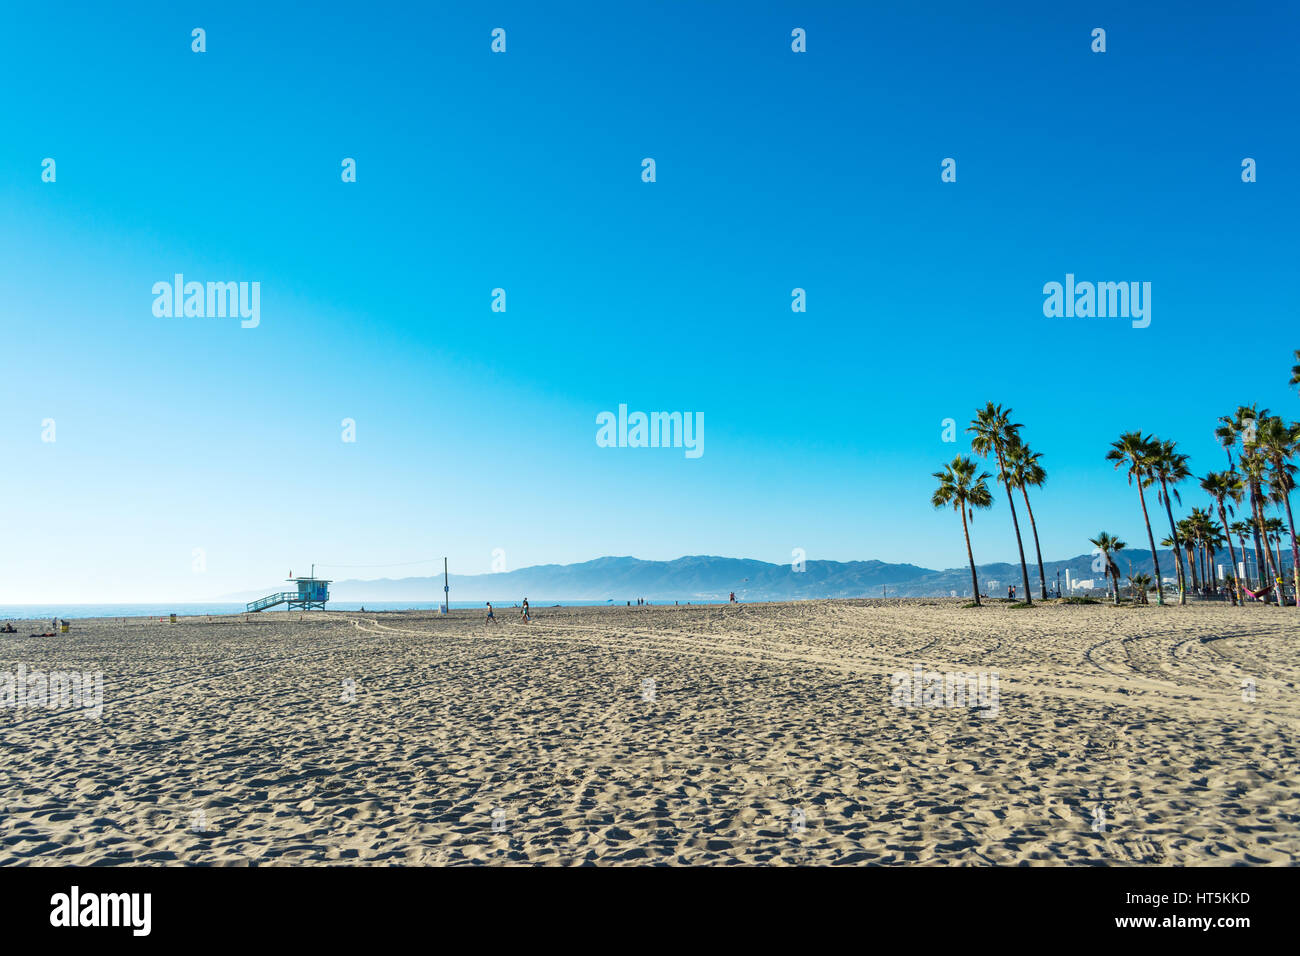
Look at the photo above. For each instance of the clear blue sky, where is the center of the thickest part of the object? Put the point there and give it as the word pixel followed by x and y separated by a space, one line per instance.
pixel 476 430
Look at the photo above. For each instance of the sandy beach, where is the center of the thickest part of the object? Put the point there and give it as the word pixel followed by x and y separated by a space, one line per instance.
pixel 763 734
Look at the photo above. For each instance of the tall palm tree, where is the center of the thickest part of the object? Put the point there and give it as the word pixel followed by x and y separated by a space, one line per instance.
pixel 1214 539
pixel 1109 545
pixel 1025 471
pixel 1200 525
pixel 1203 527
pixel 1241 529
pixel 1280 443
pixel 994 432
pixel 1137 452
pixel 1187 539
pixel 1170 468
pixel 1254 469
pixel 964 490
pixel 1243 426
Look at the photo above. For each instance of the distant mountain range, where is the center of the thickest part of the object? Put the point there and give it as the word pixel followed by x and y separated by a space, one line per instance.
pixel 706 578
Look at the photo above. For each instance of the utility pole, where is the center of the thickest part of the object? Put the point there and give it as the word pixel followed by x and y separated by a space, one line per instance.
pixel 446 589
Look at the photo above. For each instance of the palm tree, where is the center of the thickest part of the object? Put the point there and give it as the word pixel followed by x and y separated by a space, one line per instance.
pixel 1241 529
pixel 1214 539
pixel 1025 472
pixel 960 487
pixel 1187 543
pixel 1191 534
pixel 1273 531
pixel 1109 545
pixel 1170 468
pixel 1254 468
pixel 994 433
pixel 1243 426
pixel 1233 427
pixel 1138 453
pixel 1280 443
pixel 1295 369
pixel 1139 585
pixel 1184 540
pixel 1199 525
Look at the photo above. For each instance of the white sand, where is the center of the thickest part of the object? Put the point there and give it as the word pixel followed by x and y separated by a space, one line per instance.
pixel 759 711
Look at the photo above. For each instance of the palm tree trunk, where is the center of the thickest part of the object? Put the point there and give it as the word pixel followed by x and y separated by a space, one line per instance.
pixel 1155 558
pixel 1277 542
pixel 974 581
pixel 1243 579
pixel 1268 552
pixel 1015 522
pixel 1223 516
pixel 1189 547
pixel 1178 554
pixel 1295 551
pixel 1254 531
pixel 1033 525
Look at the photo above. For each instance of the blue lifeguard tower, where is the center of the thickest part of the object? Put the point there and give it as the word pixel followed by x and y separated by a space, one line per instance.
pixel 311 595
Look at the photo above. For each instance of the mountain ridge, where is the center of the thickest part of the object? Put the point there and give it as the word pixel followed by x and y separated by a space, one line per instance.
pixel 711 577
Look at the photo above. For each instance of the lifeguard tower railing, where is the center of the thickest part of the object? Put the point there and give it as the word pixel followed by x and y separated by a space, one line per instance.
pixel 271 600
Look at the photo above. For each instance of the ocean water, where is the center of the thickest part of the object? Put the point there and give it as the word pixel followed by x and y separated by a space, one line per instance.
pixel 45 612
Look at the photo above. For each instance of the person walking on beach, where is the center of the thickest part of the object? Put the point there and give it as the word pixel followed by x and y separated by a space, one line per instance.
pixel 527 617
pixel 490 616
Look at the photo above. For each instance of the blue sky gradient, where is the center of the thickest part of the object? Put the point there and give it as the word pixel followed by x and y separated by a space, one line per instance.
pixel 775 170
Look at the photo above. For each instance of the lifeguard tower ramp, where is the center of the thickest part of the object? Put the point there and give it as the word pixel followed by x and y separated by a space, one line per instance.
pixel 311 595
